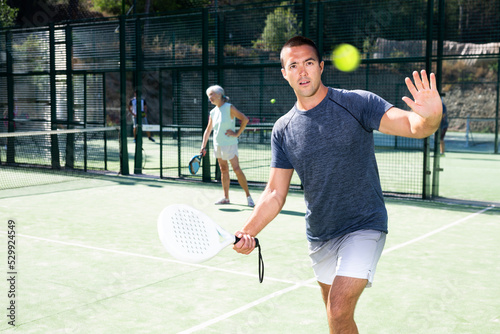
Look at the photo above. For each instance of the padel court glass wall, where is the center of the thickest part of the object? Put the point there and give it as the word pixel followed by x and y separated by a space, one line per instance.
pixel 82 74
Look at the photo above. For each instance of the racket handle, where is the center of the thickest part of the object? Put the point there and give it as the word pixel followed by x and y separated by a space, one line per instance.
pixel 261 261
pixel 236 239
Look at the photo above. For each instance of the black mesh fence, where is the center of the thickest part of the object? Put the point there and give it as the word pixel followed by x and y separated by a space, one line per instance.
pixel 83 73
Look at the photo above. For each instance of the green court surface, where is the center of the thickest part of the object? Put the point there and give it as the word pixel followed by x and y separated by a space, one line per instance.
pixel 88 260
pixel 470 176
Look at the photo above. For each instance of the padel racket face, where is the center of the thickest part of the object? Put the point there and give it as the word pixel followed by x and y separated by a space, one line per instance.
pixel 190 235
pixel 194 164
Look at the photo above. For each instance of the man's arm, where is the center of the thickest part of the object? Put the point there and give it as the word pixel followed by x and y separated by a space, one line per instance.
pixel 270 204
pixel 426 106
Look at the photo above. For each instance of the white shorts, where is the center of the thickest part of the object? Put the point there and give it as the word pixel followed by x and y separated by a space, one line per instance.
pixel 353 255
pixel 144 121
pixel 226 152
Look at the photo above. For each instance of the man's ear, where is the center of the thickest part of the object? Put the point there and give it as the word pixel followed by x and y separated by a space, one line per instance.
pixel 322 66
pixel 283 72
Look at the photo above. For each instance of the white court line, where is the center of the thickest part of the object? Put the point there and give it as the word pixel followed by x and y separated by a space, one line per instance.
pixel 246 307
pixel 436 231
pixel 152 258
pixel 298 285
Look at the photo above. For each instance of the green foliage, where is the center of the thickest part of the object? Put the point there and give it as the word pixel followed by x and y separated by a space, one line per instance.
pixel 7 14
pixel 30 49
pixel 110 6
pixel 114 7
pixel 281 25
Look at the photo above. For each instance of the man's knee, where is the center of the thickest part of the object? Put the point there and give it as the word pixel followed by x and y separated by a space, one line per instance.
pixel 340 313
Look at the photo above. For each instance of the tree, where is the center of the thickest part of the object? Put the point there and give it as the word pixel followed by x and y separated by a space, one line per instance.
pixel 7 14
pixel 281 25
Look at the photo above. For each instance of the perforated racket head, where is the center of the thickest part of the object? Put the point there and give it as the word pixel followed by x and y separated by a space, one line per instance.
pixel 194 164
pixel 190 235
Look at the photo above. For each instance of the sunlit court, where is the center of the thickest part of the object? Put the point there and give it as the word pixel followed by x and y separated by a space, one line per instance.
pixel 137 139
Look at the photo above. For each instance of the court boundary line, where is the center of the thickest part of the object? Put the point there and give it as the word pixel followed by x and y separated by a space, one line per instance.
pixel 442 228
pixel 247 306
pixel 149 257
pixel 286 290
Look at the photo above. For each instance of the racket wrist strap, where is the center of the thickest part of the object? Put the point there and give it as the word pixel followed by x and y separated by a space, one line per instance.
pixel 261 263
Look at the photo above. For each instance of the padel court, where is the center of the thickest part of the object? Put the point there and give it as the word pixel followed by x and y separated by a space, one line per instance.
pixel 89 260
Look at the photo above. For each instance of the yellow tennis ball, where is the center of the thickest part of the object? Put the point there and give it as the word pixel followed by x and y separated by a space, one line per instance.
pixel 346 57
pixel 273 101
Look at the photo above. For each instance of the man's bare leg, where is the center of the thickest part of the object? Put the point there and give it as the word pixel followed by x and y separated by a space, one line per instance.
pixel 340 300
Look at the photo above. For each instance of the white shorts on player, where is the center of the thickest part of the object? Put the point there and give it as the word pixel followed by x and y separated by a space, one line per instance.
pixel 353 255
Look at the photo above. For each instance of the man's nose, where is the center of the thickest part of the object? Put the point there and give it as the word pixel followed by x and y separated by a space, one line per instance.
pixel 302 71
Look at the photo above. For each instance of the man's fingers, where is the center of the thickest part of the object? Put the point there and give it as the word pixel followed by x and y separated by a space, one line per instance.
pixel 246 244
pixel 433 81
pixel 418 82
pixel 411 87
pixel 425 80
pixel 410 102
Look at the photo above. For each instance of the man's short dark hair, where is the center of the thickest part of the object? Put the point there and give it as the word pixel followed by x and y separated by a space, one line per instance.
pixel 298 41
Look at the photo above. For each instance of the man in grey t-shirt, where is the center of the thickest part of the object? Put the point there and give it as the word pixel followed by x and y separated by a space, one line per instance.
pixel 327 138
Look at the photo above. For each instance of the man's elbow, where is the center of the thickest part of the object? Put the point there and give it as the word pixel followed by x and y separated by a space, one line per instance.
pixel 424 131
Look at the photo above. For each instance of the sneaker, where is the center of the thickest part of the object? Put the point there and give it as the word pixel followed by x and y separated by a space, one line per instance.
pixel 250 201
pixel 223 200
pixel 151 138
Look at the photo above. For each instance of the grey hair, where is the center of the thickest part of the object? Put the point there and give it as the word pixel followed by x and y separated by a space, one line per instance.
pixel 218 90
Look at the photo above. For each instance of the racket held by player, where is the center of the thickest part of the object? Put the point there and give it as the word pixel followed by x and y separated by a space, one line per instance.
pixel 191 236
pixel 194 164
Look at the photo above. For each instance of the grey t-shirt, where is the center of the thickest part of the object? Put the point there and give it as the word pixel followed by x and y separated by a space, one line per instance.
pixel 331 147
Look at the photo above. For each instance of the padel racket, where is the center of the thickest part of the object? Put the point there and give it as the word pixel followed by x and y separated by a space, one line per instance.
pixel 194 164
pixel 191 236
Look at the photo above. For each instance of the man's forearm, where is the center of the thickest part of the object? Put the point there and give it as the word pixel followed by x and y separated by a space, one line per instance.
pixel 268 207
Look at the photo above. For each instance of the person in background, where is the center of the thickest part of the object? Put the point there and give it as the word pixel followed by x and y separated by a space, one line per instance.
pixel 222 121
pixel 132 109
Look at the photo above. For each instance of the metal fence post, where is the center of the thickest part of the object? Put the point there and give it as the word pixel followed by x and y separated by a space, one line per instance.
pixel 10 96
pixel 204 85
pixel 54 143
pixel 124 168
pixel 498 103
pixel 138 88
pixel 439 80
pixel 70 96
pixel 426 186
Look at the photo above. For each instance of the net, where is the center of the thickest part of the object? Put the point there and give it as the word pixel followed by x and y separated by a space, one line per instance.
pixel 42 157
